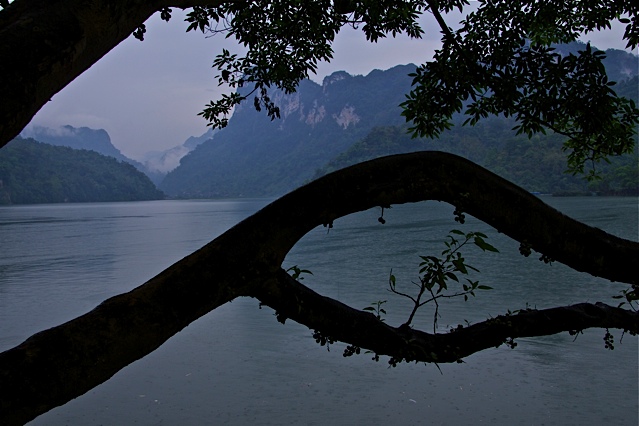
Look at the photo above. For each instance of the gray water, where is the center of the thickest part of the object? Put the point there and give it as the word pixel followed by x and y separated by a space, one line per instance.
pixel 238 365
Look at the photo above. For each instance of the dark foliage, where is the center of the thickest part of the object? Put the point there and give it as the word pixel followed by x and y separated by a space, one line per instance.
pixel 32 172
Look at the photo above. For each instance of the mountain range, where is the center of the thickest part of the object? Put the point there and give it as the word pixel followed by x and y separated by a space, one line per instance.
pixel 155 165
pixel 346 119
pixel 254 157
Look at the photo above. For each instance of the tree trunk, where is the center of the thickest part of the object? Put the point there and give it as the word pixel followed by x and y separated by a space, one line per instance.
pixel 46 44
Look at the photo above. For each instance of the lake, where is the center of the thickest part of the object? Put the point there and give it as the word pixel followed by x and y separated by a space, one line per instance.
pixel 238 365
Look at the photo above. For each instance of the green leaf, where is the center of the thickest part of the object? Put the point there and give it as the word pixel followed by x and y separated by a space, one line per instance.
pixel 459 265
pixel 479 242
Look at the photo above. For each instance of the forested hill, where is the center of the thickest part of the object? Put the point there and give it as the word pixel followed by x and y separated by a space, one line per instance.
pixel 33 172
pixel 97 140
pixel 254 156
pixel 536 164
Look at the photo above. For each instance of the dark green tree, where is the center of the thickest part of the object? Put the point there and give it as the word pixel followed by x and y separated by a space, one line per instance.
pixel 498 63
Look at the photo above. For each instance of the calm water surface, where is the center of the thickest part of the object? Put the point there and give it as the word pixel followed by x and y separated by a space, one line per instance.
pixel 238 366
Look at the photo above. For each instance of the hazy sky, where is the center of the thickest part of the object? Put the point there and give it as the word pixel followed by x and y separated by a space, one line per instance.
pixel 146 95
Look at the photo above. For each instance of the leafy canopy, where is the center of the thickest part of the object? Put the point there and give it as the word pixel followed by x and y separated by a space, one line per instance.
pixel 499 62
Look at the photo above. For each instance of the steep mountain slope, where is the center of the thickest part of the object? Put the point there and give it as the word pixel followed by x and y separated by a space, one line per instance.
pixel 254 156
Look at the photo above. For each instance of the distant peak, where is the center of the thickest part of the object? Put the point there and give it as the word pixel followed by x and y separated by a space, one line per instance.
pixel 335 77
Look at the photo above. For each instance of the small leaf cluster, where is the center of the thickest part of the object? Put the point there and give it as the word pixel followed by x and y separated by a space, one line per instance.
pixel 609 340
pixel 201 17
pixel 165 15
pixel 295 272
pixel 437 272
pixel 376 308
pixel 379 18
pixel 631 296
pixel 323 340
pixel 139 32
pixel 351 350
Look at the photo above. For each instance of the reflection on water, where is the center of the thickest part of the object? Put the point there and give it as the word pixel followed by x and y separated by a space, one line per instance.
pixel 237 365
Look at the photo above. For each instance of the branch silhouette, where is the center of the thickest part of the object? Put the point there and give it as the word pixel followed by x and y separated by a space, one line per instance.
pixel 59 364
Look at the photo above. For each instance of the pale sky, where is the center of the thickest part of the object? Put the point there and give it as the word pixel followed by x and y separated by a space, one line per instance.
pixel 146 95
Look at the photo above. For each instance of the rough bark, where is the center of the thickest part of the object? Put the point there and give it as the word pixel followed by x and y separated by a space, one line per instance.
pixel 46 44
pixel 64 362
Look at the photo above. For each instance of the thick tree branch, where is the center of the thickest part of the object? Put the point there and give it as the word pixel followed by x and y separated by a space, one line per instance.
pixel 342 323
pixel 62 363
pixel 46 44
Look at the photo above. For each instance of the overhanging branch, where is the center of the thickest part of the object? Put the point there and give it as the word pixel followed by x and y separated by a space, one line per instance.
pixel 46 44
pixel 333 319
pixel 59 364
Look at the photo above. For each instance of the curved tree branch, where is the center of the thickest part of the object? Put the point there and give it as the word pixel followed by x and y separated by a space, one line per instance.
pixel 59 364
pixel 46 44
pixel 342 323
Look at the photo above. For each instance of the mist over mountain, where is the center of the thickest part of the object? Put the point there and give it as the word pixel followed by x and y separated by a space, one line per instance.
pixel 620 65
pixel 34 172
pixel 254 156
pixel 162 162
pixel 194 141
pixel 97 140
pixel 155 165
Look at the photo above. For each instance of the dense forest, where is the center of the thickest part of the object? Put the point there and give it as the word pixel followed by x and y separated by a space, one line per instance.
pixel 33 172
pixel 537 164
